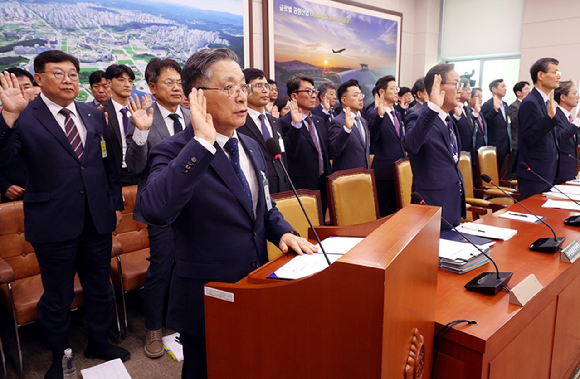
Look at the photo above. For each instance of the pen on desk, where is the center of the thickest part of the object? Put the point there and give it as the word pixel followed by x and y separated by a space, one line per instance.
pixel 518 214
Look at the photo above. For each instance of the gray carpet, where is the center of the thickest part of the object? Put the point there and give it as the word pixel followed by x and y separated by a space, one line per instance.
pixel 37 357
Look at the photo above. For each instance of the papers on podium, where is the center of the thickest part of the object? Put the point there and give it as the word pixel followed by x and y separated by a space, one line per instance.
pixel 487 231
pixel 305 265
pixel 561 205
pixel 566 189
pixel 461 257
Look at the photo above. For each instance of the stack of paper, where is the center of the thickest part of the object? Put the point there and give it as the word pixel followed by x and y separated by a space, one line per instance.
pixel 574 182
pixel 461 257
pixel 173 346
pixel 575 190
pixel 487 231
pixel 558 195
pixel 561 205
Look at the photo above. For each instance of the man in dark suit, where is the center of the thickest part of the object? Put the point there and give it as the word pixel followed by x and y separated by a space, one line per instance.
pixel 72 202
pixel 348 133
pixel 387 132
pixel 403 102
pixel 327 103
pixel 537 144
pixel 463 118
pixel 305 138
pixel 480 129
pixel 146 129
pixel 262 126
pixel 120 80
pixel 521 89
pixel 495 112
pixel 433 146
pixel 566 95
pixel 99 88
pixel 208 183
pixel 420 95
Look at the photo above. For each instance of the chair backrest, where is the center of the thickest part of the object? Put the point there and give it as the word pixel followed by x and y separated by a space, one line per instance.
pixel 130 233
pixel 465 168
pixel 403 181
pixel 14 249
pixel 352 196
pixel 288 205
pixel 487 164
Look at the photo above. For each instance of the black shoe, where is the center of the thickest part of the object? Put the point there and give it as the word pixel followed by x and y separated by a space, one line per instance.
pixel 55 371
pixel 106 351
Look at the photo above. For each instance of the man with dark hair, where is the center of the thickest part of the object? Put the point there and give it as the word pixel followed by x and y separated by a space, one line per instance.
pixel 402 105
pixel 387 131
pixel 73 200
pixel 146 129
pixel 479 129
pixel 99 88
pixel 537 145
pixel 495 112
pixel 463 118
pixel 566 95
pixel 327 99
pixel 262 126
pixel 306 138
pixel 208 183
pixel 120 80
pixel 433 146
pixel 420 95
pixel 521 90
pixel 348 132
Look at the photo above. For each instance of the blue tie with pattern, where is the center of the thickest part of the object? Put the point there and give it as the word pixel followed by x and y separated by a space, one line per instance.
pixel 232 147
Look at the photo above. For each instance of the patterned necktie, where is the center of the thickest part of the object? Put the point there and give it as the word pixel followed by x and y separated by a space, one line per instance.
pixel 480 123
pixel 316 144
pixel 72 133
pixel 177 127
pixel 570 118
pixel 360 127
pixel 232 147
pixel 452 139
pixel 265 131
pixel 396 123
pixel 125 119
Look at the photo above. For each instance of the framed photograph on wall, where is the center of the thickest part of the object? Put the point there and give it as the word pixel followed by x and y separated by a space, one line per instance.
pixel 130 32
pixel 331 42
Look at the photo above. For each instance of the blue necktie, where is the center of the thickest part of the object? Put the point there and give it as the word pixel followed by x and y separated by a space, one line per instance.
pixel 360 127
pixel 125 119
pixel 232 147
pixel 265 131
pixel 452 139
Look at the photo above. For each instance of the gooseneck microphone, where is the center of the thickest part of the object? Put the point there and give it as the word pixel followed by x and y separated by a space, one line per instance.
pixel 569 156
pixel 545 245
pixel 276 152
pixel 484 282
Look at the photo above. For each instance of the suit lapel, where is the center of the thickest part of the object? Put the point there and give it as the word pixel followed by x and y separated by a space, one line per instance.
pixel 112 119
pixel 159 123
pixel 276 127
pixel 88 120
pixel 255 130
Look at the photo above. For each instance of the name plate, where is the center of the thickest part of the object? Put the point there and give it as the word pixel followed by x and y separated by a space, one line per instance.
pixel 570 253
pixel 525 290
pixel 219 294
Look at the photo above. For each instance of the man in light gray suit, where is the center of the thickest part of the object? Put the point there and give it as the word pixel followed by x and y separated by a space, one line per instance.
pixel 147 127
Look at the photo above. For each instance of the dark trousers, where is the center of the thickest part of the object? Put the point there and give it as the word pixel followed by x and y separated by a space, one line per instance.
pixel 530 188
pixel 510 173
pixel 387 197
pixel 500 162
pixel 90 256
pixel 194 357
pixel 158 274
pixel 128 178
pixel 323 195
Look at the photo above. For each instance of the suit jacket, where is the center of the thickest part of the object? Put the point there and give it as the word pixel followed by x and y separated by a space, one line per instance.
pixel 12 173
pixel 348 149
pixel 276 178
pixel 414 106
pixel 320 113
pixel 513 112
pixel 436 175
pixel 93 103
pixel 114 131
pixel 469 131
pixel 537 145
pixel 498 129
pixel 386 145
pixel 59 187
pixel 137 157
pixel 568 136
pixel 217 237
pixel 302 154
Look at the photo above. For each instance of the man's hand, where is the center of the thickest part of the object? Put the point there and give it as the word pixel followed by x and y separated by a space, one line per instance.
pixel 275 112
pixel 404 103
pixel 437 96
pixel 325 101
pixel 496 102
pixel 298 244
pixel 119 215
pixel 269 107
pixel 14 192
pixel 477 105
pixel 552 105
pixel 142 119
pixel 13 101
pixel 201 121
pixel 381 106
pixel 348 119
pixel 295 112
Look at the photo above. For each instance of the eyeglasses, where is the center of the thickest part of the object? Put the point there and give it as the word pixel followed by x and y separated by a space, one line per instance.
pixel 458 85
pixel 259 86
pixel 395 89
pixel 233 90
pixel 59 74
pixel 360 94
pixel 309 91
pixel 171 82
pixel 558 73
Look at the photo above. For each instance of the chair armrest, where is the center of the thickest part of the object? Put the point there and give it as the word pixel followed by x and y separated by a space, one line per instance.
pixel 117 248
pixel 496 192
pixel 503 182
pixel 6 272
pixel 478 202
pixel 476 210
pixel 496 207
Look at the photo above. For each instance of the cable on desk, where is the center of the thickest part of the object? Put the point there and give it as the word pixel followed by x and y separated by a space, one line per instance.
pixel 439 338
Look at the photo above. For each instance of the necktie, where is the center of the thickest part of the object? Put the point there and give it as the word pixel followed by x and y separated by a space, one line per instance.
pixel 396 123
pixel 177 127
pixel 360 127
pixel 232 147
pixel 452 139
pixel 570 118
pixel 316 144
pixel 125 119
pixel 265 131
pixel 72 133
pixel 480 123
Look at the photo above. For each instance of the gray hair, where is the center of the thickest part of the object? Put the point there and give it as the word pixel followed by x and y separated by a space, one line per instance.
pixel 198 69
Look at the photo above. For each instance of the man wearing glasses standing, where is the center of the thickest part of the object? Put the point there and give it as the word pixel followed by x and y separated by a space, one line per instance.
pixel 306 138
pixel 433 145
pixel 72 202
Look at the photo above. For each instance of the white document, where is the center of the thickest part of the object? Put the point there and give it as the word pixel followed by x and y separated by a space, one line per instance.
pixel 459 251
pixel 558 195
pixel 487 231
pixel 566 189
pixel 114 369
pixel 521 217
pixel 304 265
pixel 561 205
pixel 339 245
pixel 573 182
pixel 173 346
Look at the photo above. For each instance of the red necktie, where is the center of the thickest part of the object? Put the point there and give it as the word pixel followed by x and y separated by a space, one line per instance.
pixel 72 133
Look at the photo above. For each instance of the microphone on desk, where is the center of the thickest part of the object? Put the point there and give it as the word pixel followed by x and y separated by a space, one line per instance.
pixel 545 245
pixel 276 152
pixel 485 282
pixel 572 220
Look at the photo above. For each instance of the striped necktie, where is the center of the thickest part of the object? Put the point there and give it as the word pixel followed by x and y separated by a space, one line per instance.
pixel 72 133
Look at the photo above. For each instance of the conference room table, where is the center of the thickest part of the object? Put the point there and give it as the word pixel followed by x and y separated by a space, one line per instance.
pixel 538 340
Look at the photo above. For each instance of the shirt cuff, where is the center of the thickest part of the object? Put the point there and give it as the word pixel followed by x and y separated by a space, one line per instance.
pixel 140 136
pixel 207 145
pixel 297 126
pixel 347 129
pixel 326 111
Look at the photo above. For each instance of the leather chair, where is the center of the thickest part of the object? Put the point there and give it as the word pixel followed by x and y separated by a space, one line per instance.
pixel 129 267
pixel 487 164
pixel 288 205
pixel 352 197
pixel 403 181
pixel 6 276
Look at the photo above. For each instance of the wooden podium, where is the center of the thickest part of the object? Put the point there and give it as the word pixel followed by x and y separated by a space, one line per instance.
pixel 359 318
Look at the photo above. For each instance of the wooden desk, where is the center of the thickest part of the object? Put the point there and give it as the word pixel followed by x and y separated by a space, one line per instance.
pixel 540 340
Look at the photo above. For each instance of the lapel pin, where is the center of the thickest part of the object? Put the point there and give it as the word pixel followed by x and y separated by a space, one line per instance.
pixel 89 115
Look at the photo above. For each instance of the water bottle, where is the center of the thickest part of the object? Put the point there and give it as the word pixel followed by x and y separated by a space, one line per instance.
pixel 69 367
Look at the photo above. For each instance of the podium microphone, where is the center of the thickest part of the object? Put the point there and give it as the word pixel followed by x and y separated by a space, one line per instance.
pixel 572 220
pixel 486 282
pixel 545 245
pixel 276 152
